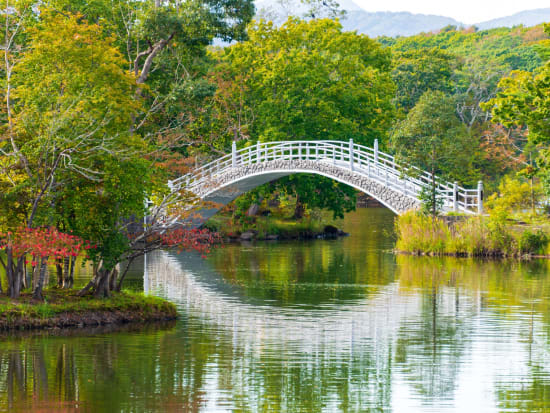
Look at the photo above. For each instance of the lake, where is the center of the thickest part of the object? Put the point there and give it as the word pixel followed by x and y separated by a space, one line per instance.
pixel 316 326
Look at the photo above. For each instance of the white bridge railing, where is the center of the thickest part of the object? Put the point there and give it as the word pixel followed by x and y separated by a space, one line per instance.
pixel 359 159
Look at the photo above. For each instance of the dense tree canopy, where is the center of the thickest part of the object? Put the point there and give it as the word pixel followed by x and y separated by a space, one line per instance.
pixel 433 138
pixel 309 80
pixel 86 88
pixel 103 101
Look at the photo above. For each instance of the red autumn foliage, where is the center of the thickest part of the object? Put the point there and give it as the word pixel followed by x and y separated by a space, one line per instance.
pixel 42 243
pixel 200 240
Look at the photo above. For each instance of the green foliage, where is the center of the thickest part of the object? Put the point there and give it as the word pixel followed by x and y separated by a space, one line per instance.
pixel 99 212
pixel 514 195
pixel 66 117
pixel 472 236
pixel 533 242
pixel 432 138
pixel 310 80
pixel 510 48
pixel 420 233
pixel 524 100
pixel 429 203
pixel 419 70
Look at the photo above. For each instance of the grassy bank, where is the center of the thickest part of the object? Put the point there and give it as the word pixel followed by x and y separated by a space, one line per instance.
pixel 479 236
pixel 63 308
pixel 272 227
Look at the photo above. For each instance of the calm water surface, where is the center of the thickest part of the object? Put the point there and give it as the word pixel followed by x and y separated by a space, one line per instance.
pixel 341 325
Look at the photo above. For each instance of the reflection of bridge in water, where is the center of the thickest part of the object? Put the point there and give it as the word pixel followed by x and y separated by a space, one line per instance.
pixel 187 279
pixel 366 169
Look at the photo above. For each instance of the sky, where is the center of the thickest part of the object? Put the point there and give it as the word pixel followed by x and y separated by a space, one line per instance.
pixel 465 11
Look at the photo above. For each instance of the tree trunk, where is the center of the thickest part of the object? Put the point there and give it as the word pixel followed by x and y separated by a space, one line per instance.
pixel 68 281
pixel 59 272
pixel 24 280
pixel 37 294
pixel 93 282
pixel 299 209
pixel 121 278
pixel 9 270
pixel 102 288
pixel 35 269
pixel 13 273
pixel 532 197
pixel 67 275
pixel 113 279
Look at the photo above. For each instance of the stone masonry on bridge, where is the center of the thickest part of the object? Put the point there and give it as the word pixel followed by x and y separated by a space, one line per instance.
pixel 366 169
pixel 389 197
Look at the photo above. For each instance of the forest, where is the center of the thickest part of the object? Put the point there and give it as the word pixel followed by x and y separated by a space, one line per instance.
pixel 104 101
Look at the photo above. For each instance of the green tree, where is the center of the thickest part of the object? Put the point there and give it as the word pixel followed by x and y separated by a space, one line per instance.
pixel 309 80
pixel 432 138
pixel 524 100
pixel 419 70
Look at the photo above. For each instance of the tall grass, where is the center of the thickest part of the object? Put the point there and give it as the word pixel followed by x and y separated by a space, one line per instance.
pixel 418 233
pixel 473 236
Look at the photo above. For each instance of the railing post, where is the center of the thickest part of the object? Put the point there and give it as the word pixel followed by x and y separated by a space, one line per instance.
pixel 455 197
pixel 258 152
pixel 300 151
pixel 376 150
pixel 480 197
pixel 351 155
pixel 234 154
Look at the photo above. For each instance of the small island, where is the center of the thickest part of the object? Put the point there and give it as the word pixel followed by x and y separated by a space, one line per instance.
pixel 64 308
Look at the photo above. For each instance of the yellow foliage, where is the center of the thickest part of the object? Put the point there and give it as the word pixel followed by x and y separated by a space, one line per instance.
pixel 514 195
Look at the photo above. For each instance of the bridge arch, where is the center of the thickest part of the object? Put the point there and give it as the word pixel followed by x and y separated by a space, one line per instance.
pixel 365 169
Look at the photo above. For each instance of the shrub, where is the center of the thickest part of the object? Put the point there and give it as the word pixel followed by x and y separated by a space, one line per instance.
pixel 514 195
pixel 533 243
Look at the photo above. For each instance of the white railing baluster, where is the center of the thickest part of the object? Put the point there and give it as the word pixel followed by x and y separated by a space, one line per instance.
pixel 351 155
pixel 379 166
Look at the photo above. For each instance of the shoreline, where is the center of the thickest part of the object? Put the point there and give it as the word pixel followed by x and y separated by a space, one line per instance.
pixel 493 256
pixel 306 235
pixel 64 310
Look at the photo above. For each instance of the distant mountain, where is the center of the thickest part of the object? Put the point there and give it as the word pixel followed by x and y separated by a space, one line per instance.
pixel 527 18
pixel 394 24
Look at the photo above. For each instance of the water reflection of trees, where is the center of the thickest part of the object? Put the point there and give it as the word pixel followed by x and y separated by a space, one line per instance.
pixel 172 373
pixel 204 362
pixel 430 352
pixel 314 272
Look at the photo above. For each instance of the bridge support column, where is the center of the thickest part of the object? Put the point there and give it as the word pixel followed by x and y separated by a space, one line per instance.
pixel 234 154
pixel 351 155
pixel 455 197
pixel 480 197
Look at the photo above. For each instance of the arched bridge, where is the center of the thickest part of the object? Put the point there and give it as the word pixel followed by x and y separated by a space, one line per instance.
pixel 366 169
